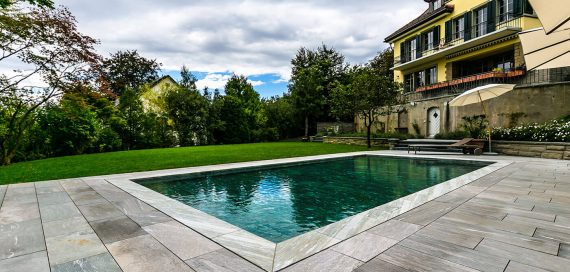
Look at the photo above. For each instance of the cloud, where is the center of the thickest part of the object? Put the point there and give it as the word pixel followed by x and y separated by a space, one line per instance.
pixel 213 81
pixel 246 37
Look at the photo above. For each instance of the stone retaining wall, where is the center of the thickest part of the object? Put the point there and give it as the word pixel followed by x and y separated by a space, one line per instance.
pixel 381 142
pixel 559 151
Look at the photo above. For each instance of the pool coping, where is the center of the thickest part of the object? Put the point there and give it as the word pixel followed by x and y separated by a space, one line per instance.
pixel 272 256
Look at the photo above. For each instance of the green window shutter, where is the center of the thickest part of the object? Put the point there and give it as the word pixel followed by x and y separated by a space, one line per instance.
pixel 436 36
pixel 492 16
pixel 518 7
pixel 467 26
pixel 527 7
pixel 448 31
pixel 419 46
pixel 403 58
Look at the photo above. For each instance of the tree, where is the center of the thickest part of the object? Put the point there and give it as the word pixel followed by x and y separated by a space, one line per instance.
pixel 48 44
pixel 245 105
pixel 72 126
pixel 40 3
pixel 281 116
pixel 368 95
pixel 129 70
pixel 133 119
pixel 312 79
pixel 188 109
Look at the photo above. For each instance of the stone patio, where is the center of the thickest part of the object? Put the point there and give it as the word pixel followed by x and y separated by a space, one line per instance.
pixel 516 218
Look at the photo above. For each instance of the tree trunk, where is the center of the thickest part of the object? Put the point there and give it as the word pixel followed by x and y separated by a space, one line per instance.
pixel 307 126
pixel 368 140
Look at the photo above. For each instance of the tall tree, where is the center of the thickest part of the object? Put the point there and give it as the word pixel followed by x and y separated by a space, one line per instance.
pixel 47 42
pixel 368 95
pixel 313 74
pixel 188 109
pixel 129 70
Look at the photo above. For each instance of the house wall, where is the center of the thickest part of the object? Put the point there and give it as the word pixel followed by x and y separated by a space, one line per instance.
pixel 460 8
pixel 538 103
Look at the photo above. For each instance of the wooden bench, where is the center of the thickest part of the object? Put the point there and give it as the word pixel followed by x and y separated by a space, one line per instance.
pixel 467 146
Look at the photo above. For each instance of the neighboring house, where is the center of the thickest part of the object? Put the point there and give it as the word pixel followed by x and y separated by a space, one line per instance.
pixel 153 96
pixel 457 45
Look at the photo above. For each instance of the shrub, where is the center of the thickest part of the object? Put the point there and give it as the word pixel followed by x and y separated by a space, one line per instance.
pixel 553 131
pixel 455 135
pixel 475 125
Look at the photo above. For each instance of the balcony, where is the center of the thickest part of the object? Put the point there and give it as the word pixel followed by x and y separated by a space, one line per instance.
pixel 457 86
pixel 507 26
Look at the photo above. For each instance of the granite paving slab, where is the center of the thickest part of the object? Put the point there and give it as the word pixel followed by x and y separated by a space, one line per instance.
pixel 377 265
pixel 18 213
pixel 58 212
pixel 256 249
pixel 17 239
pixel 53 198
pixel 117 229
pixel 395 229
pixel 221 260
pixel 87 197
pixel 181 240
pixel 100 211
pixel 102 262
pixel 524 256
pixel 417 261
pixel 66 226
pixel 364 246
pixel 327 260
pixel 33 262
pixel 145 254
pixel 66 248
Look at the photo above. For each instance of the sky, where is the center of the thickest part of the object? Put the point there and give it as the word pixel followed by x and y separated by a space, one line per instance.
pixel 255 38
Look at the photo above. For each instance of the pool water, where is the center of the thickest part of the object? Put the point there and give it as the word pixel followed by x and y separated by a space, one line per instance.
pixel 281 203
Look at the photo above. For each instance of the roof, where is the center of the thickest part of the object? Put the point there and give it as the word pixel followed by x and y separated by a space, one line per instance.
pixel 156 82
pixel 428 15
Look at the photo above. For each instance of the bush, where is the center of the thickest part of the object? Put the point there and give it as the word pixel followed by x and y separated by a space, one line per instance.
pixel 553 131
pixel 475 125
pixel 455 135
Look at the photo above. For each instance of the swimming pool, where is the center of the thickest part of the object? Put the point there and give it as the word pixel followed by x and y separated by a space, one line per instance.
pixel 281 202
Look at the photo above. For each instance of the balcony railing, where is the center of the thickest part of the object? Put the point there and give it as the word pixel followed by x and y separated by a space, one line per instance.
pixel 505 21
pixel 520 77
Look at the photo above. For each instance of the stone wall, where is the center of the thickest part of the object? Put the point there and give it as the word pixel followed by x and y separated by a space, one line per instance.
pixel 559 151
pixel 378 142
pixel 539 104
pixel 342 127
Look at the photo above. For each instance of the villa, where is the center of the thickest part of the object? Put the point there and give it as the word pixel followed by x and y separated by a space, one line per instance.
pixel 458 45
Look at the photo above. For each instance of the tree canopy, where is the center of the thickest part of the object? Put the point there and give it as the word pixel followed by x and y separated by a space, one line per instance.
pixel 129 70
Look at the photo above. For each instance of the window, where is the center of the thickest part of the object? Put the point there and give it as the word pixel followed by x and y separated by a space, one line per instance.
pixel 413 49
pixel 428 41
pixel 459 28
pixel 431 76
pixel 506 10
pixel 437 4
pixel 481 22
pixel 420 79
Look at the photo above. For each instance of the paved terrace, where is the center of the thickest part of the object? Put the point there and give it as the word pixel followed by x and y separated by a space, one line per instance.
pixel 514 219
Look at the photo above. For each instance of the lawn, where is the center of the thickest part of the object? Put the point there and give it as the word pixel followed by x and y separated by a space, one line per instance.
pixel 156 159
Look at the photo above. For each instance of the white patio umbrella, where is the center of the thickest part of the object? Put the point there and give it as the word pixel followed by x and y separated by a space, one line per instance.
pixel 543 51
pixel 553 14
pixel 480 94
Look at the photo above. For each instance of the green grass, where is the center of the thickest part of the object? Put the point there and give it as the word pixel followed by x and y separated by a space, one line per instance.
pixel 156 159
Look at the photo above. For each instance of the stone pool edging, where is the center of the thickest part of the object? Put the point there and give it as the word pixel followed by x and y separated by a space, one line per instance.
pixel 271 256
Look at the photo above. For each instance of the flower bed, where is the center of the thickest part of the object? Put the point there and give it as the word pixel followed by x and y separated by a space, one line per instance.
pixel 553 131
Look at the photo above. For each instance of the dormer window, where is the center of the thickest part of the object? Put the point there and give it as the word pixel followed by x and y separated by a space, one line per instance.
pixel 437 4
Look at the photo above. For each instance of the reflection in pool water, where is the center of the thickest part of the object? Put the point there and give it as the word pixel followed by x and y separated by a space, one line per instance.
pixel 280 203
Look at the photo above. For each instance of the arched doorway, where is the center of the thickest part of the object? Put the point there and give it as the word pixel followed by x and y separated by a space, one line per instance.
pixel 434 122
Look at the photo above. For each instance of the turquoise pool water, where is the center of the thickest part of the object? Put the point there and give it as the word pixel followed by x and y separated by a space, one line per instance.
pixel 281 203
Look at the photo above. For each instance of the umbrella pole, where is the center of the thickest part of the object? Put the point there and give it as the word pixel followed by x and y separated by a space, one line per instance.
pixel 488 119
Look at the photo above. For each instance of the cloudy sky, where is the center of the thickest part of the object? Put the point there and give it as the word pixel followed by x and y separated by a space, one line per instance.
pixel 255 38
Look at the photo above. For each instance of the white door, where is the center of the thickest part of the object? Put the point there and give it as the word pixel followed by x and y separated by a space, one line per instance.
pixel 434 122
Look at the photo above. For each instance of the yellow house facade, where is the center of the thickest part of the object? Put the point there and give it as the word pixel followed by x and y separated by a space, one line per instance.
pixel 456 39
pixel 457 45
